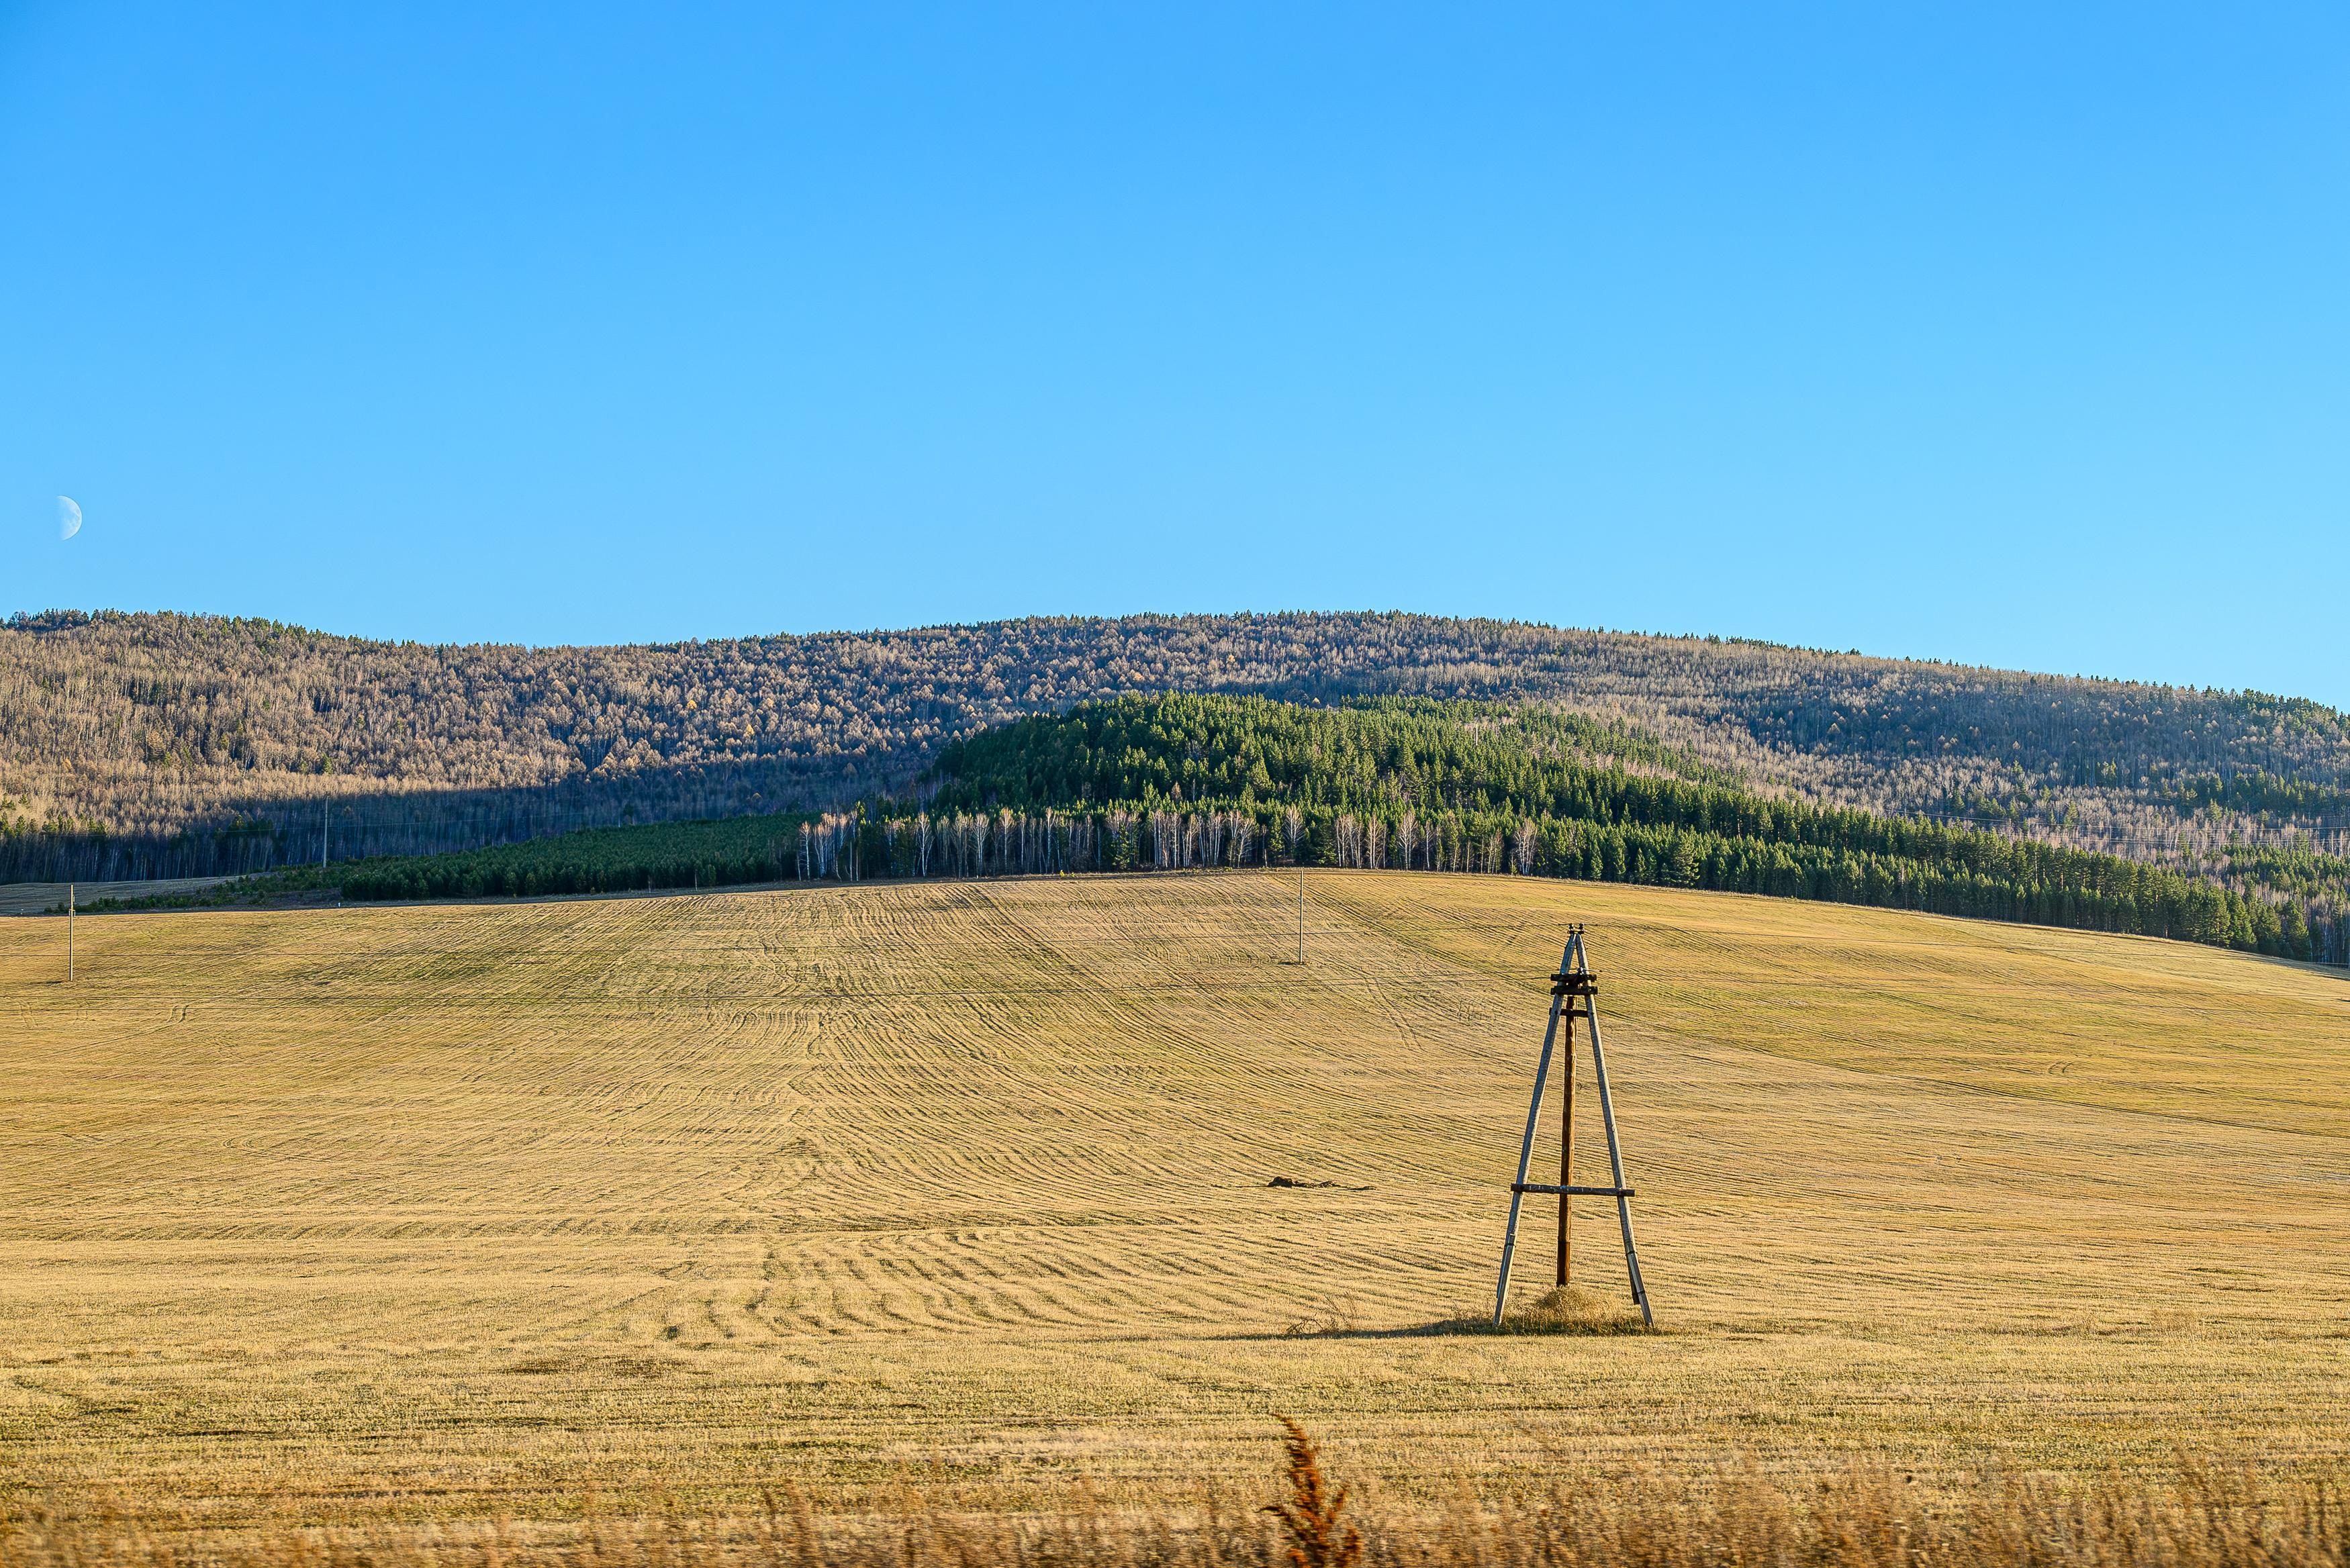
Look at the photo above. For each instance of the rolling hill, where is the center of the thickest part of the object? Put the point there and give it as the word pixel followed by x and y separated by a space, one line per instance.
pixel 165 745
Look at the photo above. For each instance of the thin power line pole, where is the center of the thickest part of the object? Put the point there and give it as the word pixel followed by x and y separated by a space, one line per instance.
pixel 1573 989
pixel 69 932
pixel 1301 907
pixel 1566 1149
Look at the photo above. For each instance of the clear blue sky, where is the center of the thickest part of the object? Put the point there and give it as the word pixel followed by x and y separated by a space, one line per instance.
pixel 2014 334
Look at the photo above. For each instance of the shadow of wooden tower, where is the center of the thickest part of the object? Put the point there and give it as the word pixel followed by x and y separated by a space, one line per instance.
pixel 1573 990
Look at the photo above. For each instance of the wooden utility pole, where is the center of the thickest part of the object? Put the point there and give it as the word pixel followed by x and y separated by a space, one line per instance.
pixel 1301 905
pixel 69 932
pixel 1573 989
pixel 1566 1152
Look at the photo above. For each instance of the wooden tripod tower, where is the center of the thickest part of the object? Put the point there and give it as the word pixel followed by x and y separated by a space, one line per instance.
pixel 1573 988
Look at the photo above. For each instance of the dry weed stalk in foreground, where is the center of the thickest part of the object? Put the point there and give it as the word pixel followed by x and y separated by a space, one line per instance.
pixel 1311 1517
pixel 2203 1516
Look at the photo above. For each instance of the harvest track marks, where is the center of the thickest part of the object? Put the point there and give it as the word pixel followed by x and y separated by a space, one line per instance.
pixel 850 1168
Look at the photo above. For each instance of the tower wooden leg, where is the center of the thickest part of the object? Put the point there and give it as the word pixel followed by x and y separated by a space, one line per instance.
pixel 1526 1151
pixel 1615 1169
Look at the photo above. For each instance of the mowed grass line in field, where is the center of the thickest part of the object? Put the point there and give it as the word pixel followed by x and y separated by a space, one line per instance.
pixel 419 1212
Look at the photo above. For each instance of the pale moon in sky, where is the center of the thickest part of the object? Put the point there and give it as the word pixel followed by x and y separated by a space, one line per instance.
pixel 68 517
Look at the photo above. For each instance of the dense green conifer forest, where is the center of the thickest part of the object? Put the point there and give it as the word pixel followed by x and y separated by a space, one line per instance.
pixel 1470 786
pixel 1183 782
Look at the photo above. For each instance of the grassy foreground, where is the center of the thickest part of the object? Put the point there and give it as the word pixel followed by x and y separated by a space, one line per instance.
pixel 2200 1516
pixel 381 1216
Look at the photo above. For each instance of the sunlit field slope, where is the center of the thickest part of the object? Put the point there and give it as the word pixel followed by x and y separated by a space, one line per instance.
pixel 440 1212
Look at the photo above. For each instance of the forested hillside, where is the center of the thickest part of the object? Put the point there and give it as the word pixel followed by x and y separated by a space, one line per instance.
pixel 149 744
pixel 1178 780
pixel 1175 782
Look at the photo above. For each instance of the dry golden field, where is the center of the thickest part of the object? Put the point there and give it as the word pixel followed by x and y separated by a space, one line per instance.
pixel 407 1213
